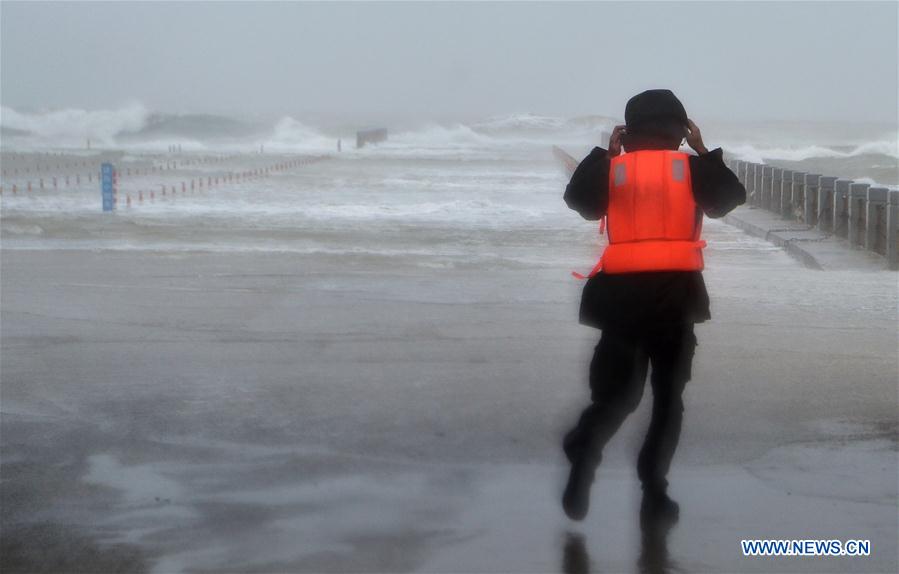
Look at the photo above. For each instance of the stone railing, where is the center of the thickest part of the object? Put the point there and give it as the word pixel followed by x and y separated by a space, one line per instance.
pixel 865 216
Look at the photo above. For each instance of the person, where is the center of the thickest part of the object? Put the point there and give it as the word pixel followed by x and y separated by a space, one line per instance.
pixel 647 292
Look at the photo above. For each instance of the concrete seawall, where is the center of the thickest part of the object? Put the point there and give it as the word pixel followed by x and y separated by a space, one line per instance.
pixel 824 221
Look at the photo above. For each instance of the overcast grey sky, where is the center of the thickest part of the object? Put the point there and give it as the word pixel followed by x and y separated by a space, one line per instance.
pixel 759 60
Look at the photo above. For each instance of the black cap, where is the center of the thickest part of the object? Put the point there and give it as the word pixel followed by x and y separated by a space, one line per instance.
pixel 654 105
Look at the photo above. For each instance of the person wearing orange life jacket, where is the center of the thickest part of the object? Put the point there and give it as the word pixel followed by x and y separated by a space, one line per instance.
pixel 646 292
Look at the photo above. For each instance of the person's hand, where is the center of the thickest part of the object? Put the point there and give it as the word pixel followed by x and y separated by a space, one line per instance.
pixel 694 138
pixel 615 141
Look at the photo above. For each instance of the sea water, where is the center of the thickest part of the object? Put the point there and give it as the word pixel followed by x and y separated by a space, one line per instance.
pixel 485 192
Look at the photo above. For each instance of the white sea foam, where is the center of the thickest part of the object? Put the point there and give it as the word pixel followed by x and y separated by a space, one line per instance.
pixel 536 123
pixel 443 182
pixel 161 145
pixel 873 183
pixel 439 136
pixel 520 122
pixel 291 135
pixel 749 152
pixel 134 127
pixel 71 126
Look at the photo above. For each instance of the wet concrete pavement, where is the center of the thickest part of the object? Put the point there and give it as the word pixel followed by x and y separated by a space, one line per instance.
pixel 210 412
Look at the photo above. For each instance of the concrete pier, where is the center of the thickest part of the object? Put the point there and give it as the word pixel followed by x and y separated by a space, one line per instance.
pixel 245 412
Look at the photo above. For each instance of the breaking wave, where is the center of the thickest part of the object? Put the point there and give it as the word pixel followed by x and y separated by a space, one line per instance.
pixel 291 135
pixel 748 152
pixel 436 135
pixel 134 127
pixel 72 126
pixel 537 123
pixel 520 122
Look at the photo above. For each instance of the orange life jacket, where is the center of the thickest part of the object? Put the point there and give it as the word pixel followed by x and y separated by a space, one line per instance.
pixel 654 223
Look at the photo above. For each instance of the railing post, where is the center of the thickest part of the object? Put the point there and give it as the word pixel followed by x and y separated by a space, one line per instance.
pixel 858 193
pixel 777 177
pixel 841 207
pixel 875 208
pixel 810 198
pixel 767 171
pixel 786 194
pixel 741 171
pixel 759 168
pixel 750 182
pixel 796 197
pixel 892 239
pixel 825 203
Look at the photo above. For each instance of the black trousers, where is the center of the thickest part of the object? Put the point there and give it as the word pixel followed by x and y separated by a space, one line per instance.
pixel 617 375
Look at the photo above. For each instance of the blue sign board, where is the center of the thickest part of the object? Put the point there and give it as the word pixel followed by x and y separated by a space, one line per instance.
pixel 107 186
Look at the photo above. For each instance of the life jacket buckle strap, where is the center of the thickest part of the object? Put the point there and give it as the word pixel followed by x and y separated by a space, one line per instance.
pixel 596 269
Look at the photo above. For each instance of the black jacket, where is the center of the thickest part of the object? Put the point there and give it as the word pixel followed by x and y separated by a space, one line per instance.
pixel 635 301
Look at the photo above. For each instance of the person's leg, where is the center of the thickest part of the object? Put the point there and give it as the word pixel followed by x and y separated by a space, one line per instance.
pixel 671 352
pixel 617 374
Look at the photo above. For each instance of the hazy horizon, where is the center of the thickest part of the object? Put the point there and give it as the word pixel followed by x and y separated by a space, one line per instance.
pixel 393 62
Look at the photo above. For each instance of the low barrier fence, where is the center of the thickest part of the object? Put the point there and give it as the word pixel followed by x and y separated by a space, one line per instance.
pixel 207 181
pixel 866 216
pixel 37 175
pixel 131 182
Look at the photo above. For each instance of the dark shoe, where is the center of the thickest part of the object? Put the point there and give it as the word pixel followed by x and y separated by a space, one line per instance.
pixel 575 559
pixel 657 507
pixel 576 499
